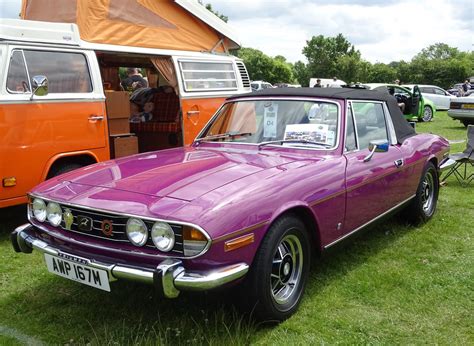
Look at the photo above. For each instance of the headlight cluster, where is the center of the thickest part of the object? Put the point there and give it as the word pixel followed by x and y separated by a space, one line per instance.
pixel 51 212
pixel 162 234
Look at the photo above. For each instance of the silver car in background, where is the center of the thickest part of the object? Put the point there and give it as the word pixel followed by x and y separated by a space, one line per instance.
pixel 440 97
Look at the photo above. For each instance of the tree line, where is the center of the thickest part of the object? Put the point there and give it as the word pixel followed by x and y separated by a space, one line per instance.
pixel 438 64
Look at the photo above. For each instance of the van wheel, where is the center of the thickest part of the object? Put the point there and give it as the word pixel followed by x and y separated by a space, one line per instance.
pixel 427 114
pixel 64 168
pixel 278 276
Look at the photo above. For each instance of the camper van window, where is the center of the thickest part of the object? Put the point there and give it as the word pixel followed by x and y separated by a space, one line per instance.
pixel 17 78
pixel 66 72
pixel 208 76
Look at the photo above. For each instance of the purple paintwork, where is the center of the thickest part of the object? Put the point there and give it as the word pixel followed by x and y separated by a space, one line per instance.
pixel 225 188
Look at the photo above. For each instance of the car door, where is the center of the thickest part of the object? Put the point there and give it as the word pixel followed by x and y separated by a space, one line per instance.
pixel 417 102
pixel 35 129
pixel 372 186
pixel 443 98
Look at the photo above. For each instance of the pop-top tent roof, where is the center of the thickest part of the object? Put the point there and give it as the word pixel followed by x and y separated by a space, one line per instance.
pixel 163 24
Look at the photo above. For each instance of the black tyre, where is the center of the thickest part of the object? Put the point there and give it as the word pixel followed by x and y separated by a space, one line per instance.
pixel 280 270
pixel 427 114
pixel 466 123
pixel 423 206
pixel 64 168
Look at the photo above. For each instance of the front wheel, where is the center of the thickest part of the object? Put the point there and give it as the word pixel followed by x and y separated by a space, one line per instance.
pixel 280 270
pixel 423 206
pixel 427 114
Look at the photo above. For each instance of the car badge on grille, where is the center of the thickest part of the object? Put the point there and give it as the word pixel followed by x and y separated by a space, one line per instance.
pixel 107 227
pixel 84 223
pixel 68 219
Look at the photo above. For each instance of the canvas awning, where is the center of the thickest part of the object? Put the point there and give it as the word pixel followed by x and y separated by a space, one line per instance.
pixel 163 24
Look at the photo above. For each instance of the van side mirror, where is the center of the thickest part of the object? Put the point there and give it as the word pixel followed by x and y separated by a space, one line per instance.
pixel 40 86
pixel 379 146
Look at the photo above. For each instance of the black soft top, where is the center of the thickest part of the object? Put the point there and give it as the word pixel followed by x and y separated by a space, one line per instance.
pixel 403 129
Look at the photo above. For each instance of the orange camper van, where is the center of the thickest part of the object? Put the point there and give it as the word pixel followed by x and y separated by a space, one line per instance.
pixel 62 105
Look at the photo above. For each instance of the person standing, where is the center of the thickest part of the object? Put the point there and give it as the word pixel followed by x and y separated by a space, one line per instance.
pixel 466 86
pixel 134 80
pixel 318 83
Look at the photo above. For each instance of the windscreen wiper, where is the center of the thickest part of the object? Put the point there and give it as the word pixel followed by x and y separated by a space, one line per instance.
pixel 229 134
pixel 296 141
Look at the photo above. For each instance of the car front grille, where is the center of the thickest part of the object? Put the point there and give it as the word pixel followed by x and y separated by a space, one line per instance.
pixel 100 223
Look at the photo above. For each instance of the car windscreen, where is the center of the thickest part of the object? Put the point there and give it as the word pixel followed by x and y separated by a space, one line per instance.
pixel 297 122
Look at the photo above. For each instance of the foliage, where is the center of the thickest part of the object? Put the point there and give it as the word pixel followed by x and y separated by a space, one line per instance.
pixel 263 67
pixel 220 15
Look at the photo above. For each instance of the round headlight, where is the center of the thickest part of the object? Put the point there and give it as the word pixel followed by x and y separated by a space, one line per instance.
pixel 137 232
pixel 54 214
pixel 39 209
pixel 163 236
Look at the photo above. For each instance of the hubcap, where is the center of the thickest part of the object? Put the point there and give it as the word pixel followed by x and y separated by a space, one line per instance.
pixel 427 114
pixel 286 269
pixel 427 193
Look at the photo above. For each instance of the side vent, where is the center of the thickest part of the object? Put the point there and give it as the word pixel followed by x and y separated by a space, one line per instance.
pixel 243 74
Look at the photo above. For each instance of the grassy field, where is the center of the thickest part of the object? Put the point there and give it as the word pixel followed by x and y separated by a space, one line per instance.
pixel 394 284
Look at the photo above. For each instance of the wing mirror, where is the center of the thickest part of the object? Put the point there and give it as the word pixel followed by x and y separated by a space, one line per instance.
pixel 379 146
pixel 40 86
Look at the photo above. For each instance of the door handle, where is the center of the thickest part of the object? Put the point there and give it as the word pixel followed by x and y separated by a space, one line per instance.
pixel 96 117
pixel 398 163
pixel 189 113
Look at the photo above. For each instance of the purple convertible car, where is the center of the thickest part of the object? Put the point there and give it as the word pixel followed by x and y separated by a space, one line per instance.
pixel 273 176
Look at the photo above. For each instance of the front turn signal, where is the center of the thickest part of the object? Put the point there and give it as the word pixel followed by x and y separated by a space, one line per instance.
pixel 9 182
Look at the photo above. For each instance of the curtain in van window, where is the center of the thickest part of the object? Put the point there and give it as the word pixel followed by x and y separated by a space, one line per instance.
pixel 165 66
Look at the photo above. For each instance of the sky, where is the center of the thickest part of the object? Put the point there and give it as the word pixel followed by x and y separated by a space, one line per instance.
pixel 383 30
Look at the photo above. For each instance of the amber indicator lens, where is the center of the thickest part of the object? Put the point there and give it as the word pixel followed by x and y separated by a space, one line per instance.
pixel 190 233
pixel 9 182
pixel 239 242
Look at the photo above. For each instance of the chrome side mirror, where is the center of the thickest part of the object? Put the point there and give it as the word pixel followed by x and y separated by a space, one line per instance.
pixel 379 146
pixel 40 86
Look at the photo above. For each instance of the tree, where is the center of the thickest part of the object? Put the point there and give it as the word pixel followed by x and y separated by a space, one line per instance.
pixel 382 73
pixel 262 67
pixel 301 73
pixel 323 54
pixel 220 15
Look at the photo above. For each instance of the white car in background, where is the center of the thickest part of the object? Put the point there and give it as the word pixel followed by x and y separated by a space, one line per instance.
pixel 440 97
pixel 259 85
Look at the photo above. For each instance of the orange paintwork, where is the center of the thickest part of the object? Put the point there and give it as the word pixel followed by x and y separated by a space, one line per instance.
pixel 35 134
pixel 193 123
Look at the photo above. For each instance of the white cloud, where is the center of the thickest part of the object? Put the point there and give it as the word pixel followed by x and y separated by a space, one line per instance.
pixel 382 30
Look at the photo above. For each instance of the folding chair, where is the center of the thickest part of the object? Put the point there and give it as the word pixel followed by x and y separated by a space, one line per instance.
pixel 463 161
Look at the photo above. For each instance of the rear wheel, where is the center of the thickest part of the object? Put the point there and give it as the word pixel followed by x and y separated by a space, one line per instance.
pixel 64 168
pixel 423 206
pixel 280 270
pixel 467 122
pixel 427 114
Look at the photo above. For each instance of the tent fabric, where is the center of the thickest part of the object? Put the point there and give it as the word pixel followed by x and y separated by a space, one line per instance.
pixel 403 129
pixel 161 24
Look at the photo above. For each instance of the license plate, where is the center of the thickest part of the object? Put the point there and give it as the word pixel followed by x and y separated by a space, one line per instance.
pixel 84 274
pixel 468 106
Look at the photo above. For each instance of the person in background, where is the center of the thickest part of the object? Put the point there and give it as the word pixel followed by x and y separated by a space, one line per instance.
pixel 334 83
pixel 397 82
pixel 318 83
pixel 466 86
pixel 134 80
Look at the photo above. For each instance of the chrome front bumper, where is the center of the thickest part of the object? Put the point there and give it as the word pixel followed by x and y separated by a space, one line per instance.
pixel 169 276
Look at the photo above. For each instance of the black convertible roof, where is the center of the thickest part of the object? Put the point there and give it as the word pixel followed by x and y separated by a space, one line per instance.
pixel 403 129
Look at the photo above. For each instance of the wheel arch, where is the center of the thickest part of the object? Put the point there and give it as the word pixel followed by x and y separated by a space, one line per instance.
pixel 307 216
pixel 82 157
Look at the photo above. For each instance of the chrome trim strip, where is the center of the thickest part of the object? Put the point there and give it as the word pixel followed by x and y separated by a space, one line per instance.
pixel 109 212
pixel 368 223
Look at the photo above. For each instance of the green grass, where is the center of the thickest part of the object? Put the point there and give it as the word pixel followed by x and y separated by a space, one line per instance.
pixel 394 284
